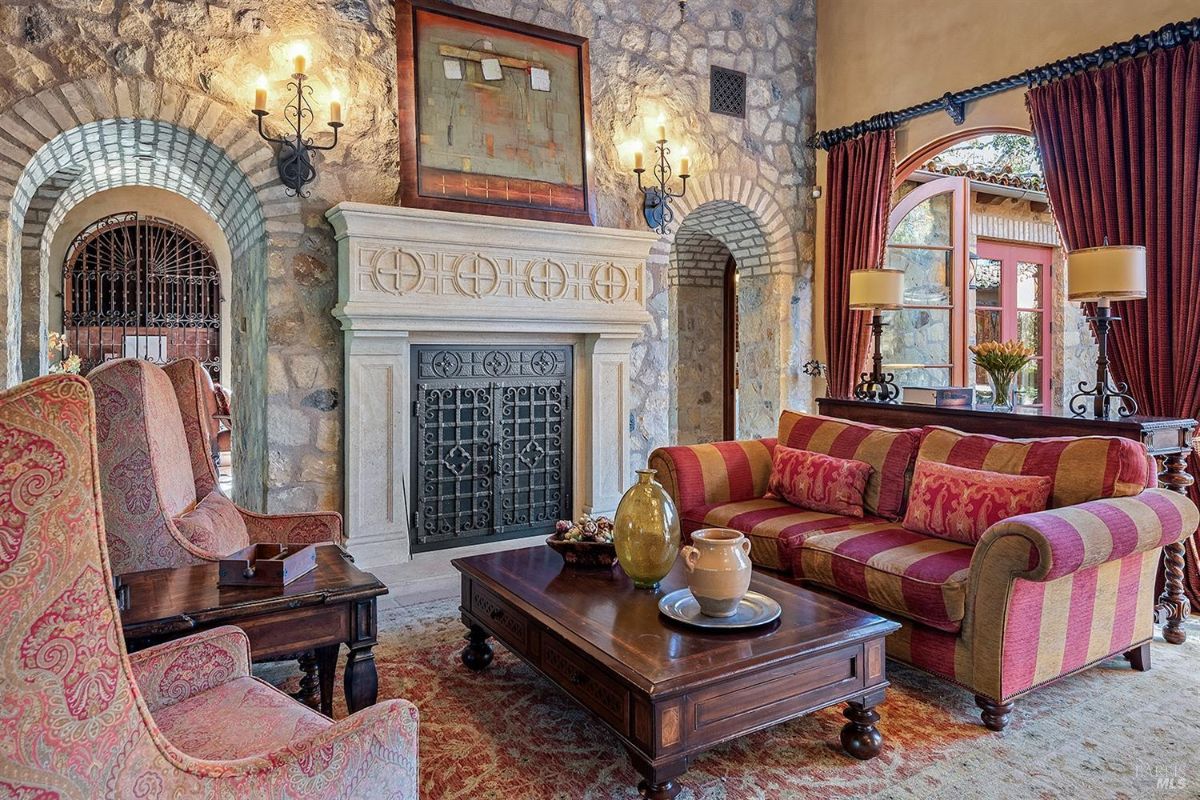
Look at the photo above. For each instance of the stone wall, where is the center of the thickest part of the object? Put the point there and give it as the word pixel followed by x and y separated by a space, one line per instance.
pixel 194 64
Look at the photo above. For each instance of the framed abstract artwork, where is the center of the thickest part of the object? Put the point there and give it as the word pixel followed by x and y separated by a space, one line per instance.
pixel 494 115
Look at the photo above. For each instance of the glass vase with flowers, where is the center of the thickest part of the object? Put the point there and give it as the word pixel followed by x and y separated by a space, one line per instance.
pixel 1002 361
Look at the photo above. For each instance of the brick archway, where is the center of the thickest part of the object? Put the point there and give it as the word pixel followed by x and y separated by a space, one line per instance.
pixel 726 217
pixel 72 140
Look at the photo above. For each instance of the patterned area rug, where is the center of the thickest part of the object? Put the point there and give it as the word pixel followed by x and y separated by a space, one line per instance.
pixel 507 734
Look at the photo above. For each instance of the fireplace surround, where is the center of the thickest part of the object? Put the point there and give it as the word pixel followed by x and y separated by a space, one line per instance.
pixel 413 281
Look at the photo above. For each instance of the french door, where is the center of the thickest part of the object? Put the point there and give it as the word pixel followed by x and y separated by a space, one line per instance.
pixel 1012 290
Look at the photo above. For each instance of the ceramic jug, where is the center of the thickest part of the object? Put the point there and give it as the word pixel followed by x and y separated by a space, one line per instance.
pixel 718 569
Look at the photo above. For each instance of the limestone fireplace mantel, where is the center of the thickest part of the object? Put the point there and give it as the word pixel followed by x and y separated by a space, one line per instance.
pixel 414 276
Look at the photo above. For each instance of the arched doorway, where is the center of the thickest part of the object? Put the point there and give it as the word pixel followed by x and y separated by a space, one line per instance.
pixel 714 243
pixel 111 154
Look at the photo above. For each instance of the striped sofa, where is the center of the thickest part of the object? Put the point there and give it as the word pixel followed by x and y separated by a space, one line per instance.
pixel 1040 596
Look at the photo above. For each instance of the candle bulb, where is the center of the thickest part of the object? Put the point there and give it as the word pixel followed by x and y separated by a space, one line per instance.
pixel 260 94
pixel 298 64
pixel 662 133
pixel 684 162
pixel 335 107
pixel 637 159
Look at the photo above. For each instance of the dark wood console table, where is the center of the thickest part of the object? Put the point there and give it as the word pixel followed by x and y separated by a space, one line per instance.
pixel 1169 440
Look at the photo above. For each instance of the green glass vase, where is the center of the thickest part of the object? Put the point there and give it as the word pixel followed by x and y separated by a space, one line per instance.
pixel 646 531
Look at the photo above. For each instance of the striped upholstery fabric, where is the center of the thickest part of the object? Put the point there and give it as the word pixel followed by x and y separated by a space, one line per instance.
pixel 890 453
pixel 1082 468
pixel 706 474
pixel 775 528
pixel 920 577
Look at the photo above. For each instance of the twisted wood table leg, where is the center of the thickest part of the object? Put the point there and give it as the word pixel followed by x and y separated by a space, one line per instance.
pixel 1173 606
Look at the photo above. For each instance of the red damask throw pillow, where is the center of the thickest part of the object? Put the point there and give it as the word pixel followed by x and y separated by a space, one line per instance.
pixel 819 482
pixel 959 504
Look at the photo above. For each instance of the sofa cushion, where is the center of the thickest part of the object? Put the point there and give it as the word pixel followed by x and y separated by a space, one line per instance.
pixel 1082 468
pixel 959 504
pixel 818 482
pixel 775 528
pixel 911 574
pixel 206 725
pixel 214 525
pixel 889 451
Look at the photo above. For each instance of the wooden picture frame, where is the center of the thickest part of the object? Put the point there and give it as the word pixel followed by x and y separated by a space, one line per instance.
pixel 550 179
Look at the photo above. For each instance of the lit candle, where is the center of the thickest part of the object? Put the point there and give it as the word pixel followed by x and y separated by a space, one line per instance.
pixel 684 161
pixel 637 159
pixel 299 62
pixel 662 133
pixel 260 94
pixel 335 107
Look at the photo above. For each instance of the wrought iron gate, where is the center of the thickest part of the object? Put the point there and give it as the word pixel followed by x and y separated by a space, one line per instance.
pixel 142 287
pixel 491 442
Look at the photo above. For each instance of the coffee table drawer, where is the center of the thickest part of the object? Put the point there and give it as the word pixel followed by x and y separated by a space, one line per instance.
pixel 773 695
pixel 606 698
pixel 504 621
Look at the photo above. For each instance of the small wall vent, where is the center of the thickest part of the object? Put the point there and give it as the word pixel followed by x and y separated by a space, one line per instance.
pixel 727 92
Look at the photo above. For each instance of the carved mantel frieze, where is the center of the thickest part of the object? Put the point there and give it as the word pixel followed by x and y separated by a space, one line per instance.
pixel 409 276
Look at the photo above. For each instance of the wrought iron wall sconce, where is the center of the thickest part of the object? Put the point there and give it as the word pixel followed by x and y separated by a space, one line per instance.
pixel 294 159
pixel 657 197
pixel 875 290
pixel 1101 275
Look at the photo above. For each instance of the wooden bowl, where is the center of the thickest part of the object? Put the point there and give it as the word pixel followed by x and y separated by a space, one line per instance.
pixel 584 555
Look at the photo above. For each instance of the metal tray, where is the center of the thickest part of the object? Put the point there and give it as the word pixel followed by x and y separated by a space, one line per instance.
pixel 754 610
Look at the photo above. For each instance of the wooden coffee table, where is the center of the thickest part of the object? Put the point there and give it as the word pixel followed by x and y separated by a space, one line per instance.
pixel 668 691
pixel 316 613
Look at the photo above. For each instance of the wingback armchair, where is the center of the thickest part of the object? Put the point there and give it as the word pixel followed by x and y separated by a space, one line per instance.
pixel 162 503
pixel 82 718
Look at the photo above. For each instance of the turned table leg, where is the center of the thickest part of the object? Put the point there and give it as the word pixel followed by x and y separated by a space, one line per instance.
pixel 1173 606
pixel 478 653
pixel 860 737
pixel 310 687
pixel 361 682
pixel 658 782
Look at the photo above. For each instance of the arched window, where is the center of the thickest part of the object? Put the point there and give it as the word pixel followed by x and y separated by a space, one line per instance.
pixel 141 287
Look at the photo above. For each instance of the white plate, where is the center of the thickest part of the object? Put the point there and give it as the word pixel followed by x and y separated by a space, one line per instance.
pixel 754 610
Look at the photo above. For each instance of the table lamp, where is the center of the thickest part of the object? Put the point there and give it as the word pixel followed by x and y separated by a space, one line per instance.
pixel 1100 275
pixel 875 290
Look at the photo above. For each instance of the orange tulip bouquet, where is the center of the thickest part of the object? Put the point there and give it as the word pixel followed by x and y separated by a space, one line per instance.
pixel 1002 361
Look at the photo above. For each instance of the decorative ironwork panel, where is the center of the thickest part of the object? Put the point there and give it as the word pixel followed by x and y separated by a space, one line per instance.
pixel 727 92
pixel 143 287
pixel 492 442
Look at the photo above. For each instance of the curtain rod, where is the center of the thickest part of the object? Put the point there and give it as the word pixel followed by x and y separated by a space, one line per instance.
pixel 954 103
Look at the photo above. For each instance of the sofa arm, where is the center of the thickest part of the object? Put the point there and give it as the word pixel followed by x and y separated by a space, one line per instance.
pixel 1050 544
pixel 722 472
pixel 171 672
pixel 307 528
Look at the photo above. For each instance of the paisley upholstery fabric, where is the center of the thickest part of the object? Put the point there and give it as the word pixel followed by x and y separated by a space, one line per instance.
pixel 1082 468
pixel 819 482
pixel 960 504
pixel 162 503
pixel 199 725
pixel 889 451
pixel 193 387
pixel 74 720
pixel 215 525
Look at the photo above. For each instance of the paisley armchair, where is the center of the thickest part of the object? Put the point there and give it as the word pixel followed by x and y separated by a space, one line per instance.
pixel 82 719
pixel 162 503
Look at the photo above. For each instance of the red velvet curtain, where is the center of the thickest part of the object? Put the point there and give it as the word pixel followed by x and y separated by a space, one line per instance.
pixel 1121 150
pixel 859 183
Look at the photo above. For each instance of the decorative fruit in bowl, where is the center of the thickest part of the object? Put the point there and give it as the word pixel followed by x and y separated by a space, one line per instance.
pixel 586 543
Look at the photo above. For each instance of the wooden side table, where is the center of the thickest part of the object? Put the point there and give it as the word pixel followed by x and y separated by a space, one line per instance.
pixel 1168 439
pixel 334 604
